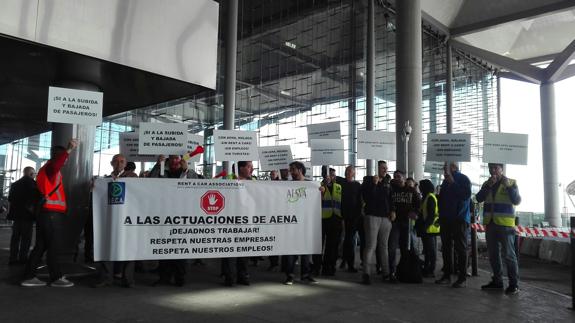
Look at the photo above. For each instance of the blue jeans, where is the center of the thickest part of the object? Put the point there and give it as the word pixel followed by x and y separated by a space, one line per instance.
pixel 501 240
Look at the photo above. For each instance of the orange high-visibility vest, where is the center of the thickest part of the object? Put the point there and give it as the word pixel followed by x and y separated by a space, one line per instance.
pixel 57 201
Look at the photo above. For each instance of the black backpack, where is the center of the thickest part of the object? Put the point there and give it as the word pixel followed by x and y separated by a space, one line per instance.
pixel 409 268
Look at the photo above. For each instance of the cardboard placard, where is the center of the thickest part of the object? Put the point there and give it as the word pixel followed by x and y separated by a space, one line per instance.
pixel 327 152
pixel 235 145
pixel 433 167
pixel 163 138
pixel 274 157
pixel 449 147
pixel 378 145
pixel 308 171
pixel 329 130
pixel 129 145
pixel 505 148
pixel 75 106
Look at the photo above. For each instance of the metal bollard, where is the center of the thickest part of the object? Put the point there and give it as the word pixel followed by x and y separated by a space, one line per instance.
pixel 473 248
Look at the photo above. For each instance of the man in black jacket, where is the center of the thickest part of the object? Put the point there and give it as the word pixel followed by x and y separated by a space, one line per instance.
pixel 21 199
pixel 351 212
pixel 377 221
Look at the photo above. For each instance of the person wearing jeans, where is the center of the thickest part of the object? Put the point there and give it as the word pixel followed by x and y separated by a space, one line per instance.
pixel 500 195
pixel 377 221
pixel 454 218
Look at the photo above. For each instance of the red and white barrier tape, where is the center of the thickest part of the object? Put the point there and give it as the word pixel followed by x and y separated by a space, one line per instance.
pixel 532 232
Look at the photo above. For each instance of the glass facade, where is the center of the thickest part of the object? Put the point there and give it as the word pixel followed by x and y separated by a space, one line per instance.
pixel 301 63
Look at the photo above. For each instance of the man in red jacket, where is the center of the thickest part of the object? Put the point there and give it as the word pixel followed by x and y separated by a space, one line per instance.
pixel 50 221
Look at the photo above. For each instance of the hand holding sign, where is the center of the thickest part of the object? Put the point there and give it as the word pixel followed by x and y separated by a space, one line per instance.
pixel 72 144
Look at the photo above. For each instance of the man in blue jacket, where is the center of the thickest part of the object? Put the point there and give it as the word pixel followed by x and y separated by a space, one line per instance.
pixel 454 218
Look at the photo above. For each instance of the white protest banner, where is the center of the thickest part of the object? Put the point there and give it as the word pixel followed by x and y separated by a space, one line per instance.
pixel 449 147
pixel 433 167
pixel 327 152
pixel 152 218
pixel 75 106
pixel 235 145
pixel 193 142
pixel 163 138
pixel 129 145
pixel 328 130
pixel 375 145
pixel 274 157
pixel 505 148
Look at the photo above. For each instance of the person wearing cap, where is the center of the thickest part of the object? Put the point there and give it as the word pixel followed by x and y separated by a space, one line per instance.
pixel 500 195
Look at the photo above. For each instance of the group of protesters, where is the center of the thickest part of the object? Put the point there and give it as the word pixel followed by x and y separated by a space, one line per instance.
pixel 381 214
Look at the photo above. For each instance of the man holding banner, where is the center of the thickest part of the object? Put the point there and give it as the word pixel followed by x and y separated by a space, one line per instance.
pixel 297 171
pixel 500 195
pixel 245 170
pixel 177 168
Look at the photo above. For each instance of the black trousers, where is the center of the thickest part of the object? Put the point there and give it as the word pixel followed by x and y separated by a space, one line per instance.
pixel 430 252
pixel 288 262
pixel 125 268
pixel 454 235
pixel 21 240
pixel 241 268
pixel 330 237
pixel 49 234
pixel 172 268
pixel 399 238
pixel 349 242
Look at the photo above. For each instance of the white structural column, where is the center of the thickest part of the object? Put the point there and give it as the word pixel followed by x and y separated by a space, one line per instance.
pixel 409 75
pixel 370 76
pixel 231 61
pixel 549 145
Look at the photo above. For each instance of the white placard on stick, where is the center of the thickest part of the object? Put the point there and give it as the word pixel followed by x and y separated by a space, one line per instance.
pixel 449 147
pixel 327 152
pixel 376 145
pixel 193 142
pixel 434 167
pixel 163 138
pixel 74 106
pixel 129 148
pixel 308 171
pixel 235 145
pixel 274 157
pixel 329 130
pixel 505 148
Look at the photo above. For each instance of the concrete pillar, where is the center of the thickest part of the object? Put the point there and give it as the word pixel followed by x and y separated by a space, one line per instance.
pixel 351 102
pixel 549 145
pixel 230 80
pixel 370 76
pixel 498 103
pixel 408 74
pixel 449 89
pixel 76 175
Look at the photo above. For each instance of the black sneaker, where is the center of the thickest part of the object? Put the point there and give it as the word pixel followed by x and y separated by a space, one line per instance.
pixel 392 279
pixel 444 280
pixel 365 279
pixel 512 290
pixel 244 281
pixel 309 280
pixel 460 283
pixel 493 286
pixel 288 281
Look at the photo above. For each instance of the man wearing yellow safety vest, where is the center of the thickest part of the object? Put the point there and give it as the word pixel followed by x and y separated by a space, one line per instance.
pixel 500 195
pixel 429 229
pixel 331 225
pixel 50 221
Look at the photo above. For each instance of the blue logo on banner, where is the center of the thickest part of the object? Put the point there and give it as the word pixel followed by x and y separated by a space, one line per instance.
pixel 116 193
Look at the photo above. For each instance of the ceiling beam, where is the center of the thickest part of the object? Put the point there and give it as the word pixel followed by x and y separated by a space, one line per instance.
pixel 556 68
pixel 520 15
pixel 436 24
pixel 513 76
pixel 567 73
pixel 524 70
